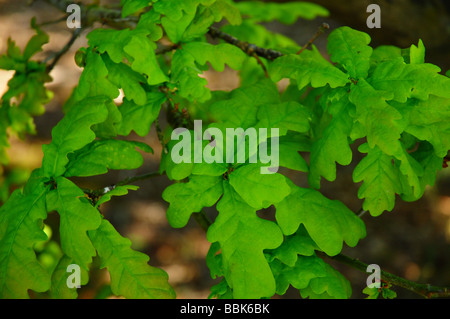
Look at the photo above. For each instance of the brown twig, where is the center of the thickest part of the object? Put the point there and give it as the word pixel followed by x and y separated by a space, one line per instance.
pixel 321 30
pixel 424 290
pixel 63 50
pixel 248 48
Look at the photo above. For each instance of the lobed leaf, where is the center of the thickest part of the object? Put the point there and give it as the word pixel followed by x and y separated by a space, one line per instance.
pixel 131 275
pixel 100 156
pixel 307 68
pixel 77 217
pixel 381 180
pixel 332 146
pixel 191 197
pixel 406 81
pixel 286 13
pixel 72 133
pixel 328 222
pixel 350 48
pixel 258 190
pixel 20 229
pixel 243 237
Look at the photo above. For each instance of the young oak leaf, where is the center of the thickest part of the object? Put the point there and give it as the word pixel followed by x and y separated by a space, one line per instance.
pixel 380 180
pixel 257 189
pixel 59 288
pixel 380 122
pixel 191 197
pixel 185 75
pixel 328 222
pixel 428 120
pixel 110 41
pixel 313 277
pixel 93 80
pixel 175 9
pixel 299 243
pixel 143 59
pixel 285 116
pixel 122 76
pixel 131 6
pixel 240 109
pixel 20 218
pixel 243 237
pixel 286 13
pixel 330 285
pixel 100 156
pixel 72 133
pixel 406 81
pixel 307 68
pixel 139 118
pixel 131 275
pixel 217 55
pixel 350 48
pixel 332 146
pixel 77 217
pixel 289 147
pixel 119 190
pixel 185 70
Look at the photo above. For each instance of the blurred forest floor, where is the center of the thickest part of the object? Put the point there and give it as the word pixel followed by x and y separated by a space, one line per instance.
pixel 413 241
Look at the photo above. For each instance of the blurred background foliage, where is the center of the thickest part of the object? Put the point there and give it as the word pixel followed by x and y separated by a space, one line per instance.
pixel 413 241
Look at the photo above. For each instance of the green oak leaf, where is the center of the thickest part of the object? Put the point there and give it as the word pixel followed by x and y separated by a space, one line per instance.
pixel 187 198
pixel 131 275
pixel 131 6
pixel 143 59
pixel 93 80
pixel 243 236
pixel 309 67
pixel 285 116
pixel 380 122
pixel 217 55
pixel 72 133
pixel 102 155
pixel 406 81
pixel 313 277
pixel 139 118
pixel 257 189
pixel 59 288
pixel 122 76
pixel 332 146
pixel 119 190
pixel 77 217
pixel 240 109
pixel 286 13
pixel 350 48
pixel 328 222
pixel 20 229
pixel 428 121
pixel 380 180
pixel 299 243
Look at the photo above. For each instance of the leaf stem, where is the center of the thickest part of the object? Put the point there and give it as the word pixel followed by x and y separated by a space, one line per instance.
pixel 321 30
pixel 63 50
pixel 129 180
pixel 248 48
pixel 424 290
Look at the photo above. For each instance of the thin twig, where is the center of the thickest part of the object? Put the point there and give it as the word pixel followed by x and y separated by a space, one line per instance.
pixel 424 290
pixel 129 180
pixel 248 48
pixel 321 30
pixel 63 50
